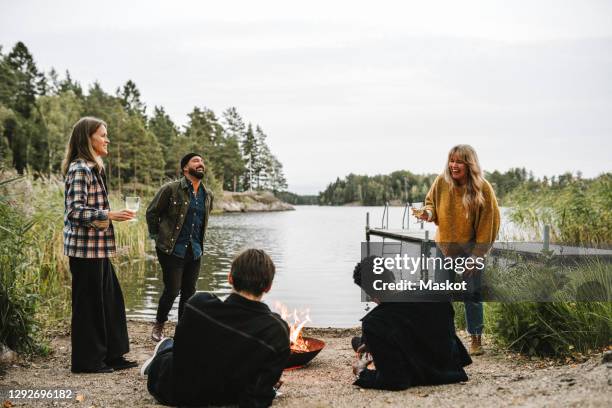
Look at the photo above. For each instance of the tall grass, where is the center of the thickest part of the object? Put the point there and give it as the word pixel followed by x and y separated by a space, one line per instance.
pixel 548 309
pixel 18 297
pixel 574 313
pixel 579 210
pixel 35 279
pixel 570 316
pixel 553 329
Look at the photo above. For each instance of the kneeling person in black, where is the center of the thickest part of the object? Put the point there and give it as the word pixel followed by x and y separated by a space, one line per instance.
pixel 411 343
pixel 225 352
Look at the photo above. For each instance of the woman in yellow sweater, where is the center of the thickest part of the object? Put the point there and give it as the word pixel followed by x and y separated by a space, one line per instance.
pixel 463 206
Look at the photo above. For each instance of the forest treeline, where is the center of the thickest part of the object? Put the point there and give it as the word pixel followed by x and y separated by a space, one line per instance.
pixel 38 109
pixel 402 187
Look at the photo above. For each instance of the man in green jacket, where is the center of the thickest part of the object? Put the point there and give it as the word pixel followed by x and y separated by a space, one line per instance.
pixel 177 219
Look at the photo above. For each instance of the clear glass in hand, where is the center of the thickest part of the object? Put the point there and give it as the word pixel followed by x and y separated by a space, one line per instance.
pixel 132 204
pixel 417 213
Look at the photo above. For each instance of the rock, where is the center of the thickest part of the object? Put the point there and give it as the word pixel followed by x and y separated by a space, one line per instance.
pixel 7 356
pixel 250 202
pixel 569 381
pixel 607 357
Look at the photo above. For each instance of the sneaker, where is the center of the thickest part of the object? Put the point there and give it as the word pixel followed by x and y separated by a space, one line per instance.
pixel 120 363
pixel 157 334
pixel 476 345
pixel 161 346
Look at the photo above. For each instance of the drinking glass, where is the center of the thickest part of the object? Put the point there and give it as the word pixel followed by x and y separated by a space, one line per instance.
pixel 132 204
pixel 418 207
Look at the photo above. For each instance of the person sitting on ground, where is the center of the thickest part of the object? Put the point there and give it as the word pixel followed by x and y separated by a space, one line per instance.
pixel 224 352
pixel 410 343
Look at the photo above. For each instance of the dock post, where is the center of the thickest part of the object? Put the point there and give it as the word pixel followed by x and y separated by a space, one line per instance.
pixel 367 233
pixel 425 253
pixel 546 244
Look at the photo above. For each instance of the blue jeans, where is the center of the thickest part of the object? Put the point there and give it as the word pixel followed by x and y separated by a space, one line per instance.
pixel 474 312
pixel 472 298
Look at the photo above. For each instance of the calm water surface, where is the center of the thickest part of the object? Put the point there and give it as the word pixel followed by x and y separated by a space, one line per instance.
pixel 314 248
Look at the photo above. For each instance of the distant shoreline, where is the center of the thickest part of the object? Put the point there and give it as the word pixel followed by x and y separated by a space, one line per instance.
pixel 249 201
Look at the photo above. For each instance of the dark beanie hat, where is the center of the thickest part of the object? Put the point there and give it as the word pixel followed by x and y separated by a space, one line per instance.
pixel 186 159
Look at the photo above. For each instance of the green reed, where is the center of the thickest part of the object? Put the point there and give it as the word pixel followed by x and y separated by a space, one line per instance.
pixel 579 210
pixel 35 286
pixel 572 312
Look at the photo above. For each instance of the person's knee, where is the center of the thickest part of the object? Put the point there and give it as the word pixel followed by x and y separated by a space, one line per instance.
pixel 472 305
pixel 186 293
pixel 171 292
pixel 204 296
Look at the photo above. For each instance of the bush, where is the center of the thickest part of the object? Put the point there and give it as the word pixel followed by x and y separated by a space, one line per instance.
pixel 553 329
pixel 18 299
pixel 570 312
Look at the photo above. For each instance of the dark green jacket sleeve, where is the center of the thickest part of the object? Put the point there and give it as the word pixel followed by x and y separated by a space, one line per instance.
pixel 156 208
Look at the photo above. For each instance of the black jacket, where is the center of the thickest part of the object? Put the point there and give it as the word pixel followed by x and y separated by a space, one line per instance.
pixel 224 353
pixel 412 344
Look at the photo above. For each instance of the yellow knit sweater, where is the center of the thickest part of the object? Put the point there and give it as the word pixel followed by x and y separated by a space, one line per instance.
pixel 449 214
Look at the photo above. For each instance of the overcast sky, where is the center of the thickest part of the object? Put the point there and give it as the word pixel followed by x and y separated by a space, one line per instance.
pixel 361 87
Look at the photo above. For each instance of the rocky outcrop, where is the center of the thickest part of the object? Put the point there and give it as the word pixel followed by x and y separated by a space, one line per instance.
pixel 250 201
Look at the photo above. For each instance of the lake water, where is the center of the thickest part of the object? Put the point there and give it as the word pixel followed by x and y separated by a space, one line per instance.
pixel 314 248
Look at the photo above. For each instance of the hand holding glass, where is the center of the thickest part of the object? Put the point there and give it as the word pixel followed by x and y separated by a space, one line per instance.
pixel 419 214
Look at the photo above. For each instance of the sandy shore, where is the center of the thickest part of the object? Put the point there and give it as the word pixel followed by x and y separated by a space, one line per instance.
pixel 496 379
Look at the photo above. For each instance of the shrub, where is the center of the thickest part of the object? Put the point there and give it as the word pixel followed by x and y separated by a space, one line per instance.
pixel 18 299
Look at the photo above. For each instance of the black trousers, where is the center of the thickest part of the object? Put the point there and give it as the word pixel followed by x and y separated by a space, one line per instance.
pixel 180 275
pixel 99 329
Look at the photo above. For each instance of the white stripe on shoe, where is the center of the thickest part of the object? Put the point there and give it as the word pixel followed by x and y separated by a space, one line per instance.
pixel 144 370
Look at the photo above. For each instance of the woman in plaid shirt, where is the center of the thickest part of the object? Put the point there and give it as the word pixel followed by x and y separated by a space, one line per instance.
pixel 99 329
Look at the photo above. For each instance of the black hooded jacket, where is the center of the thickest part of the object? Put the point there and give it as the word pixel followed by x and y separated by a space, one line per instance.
pixel 412 344
pixel 225 352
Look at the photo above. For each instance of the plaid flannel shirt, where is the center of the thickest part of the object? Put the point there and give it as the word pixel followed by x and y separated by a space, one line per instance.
pixel 86 201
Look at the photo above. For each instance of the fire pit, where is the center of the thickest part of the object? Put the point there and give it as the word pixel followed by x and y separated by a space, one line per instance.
pixel 303 349
pixel 300 357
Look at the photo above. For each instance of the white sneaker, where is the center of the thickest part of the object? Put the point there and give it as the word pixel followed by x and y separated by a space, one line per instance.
pixel 144 370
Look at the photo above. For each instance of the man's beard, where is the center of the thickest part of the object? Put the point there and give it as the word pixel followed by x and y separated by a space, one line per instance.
pixel 195 173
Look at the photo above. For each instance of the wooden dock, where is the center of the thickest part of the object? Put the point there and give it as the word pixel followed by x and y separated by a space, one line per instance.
pixel 526 249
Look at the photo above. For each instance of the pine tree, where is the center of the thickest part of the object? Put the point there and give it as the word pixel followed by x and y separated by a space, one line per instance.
pixel 233 124
pixel 231 162
pixel 21 84
pixel 264 161
pixel 235 133
pixel 250 155
pixel 27 81
pixel 278 182
pixel 130 99
pixel 166 132
pixel 68 84
pixel 58 113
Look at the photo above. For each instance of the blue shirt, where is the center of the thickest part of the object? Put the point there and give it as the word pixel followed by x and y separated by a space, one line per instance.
pixel 192 227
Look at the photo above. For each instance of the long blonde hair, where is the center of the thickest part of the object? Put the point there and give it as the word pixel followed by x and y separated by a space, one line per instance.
pixel 79 145
pixel 473 197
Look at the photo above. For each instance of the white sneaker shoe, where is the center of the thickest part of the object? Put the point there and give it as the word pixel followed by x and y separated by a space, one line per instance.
pixel 144 370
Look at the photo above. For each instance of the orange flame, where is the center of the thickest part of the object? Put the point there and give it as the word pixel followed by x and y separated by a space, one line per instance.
pixel 296 321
